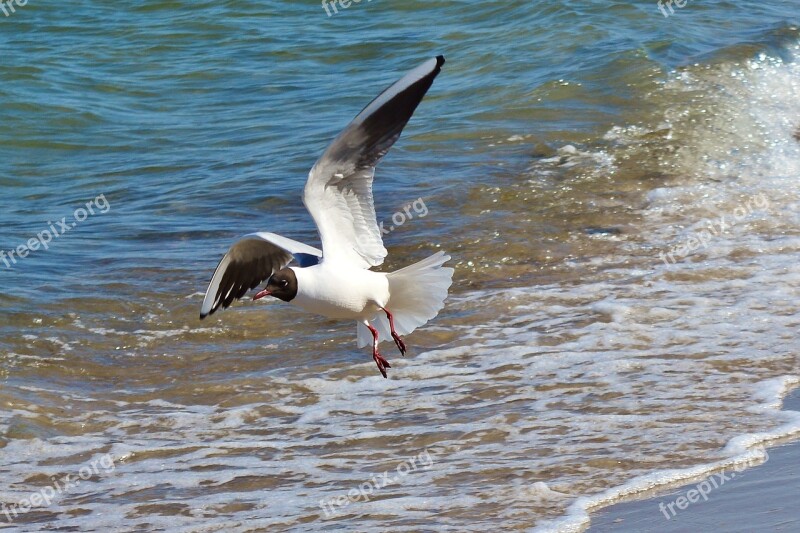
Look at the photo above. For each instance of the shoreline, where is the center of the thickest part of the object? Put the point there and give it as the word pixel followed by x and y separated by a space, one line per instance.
pixel 760 498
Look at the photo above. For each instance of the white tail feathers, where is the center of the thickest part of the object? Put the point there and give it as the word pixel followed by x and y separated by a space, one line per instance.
pixel 417 294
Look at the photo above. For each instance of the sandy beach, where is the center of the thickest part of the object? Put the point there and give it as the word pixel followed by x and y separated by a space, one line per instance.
pixel 763 498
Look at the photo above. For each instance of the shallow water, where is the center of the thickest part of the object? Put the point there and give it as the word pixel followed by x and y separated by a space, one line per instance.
pixel 616 189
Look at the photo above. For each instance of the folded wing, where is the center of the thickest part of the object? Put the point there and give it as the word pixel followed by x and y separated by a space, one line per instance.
pixel 250 261
pixel 338 193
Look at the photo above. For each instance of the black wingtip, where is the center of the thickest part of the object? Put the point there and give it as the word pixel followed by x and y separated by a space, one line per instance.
pixel 202 316
pixel 439 61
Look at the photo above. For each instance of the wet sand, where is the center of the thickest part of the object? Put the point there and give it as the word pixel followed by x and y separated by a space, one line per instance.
pixel 763 498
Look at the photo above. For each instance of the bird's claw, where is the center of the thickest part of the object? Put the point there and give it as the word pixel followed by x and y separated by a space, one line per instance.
pixel 400 344
pixel 382 363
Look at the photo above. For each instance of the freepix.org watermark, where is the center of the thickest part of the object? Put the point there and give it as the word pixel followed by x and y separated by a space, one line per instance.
pixel 344 4
pixel 716 228
pixel 400 218
pixel 664 4
pixel 704 488
pixel 415 209
pixel 54 231
pixel 44 496
pixel 423 460
pixel 7 6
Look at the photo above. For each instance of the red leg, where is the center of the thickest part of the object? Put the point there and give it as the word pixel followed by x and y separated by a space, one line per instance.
pixel 397 340
pixel 382 363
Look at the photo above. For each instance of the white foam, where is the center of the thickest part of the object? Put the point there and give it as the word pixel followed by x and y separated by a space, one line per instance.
pixel 743 451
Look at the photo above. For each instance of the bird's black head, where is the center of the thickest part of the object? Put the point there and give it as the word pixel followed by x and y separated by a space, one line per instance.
pixel 282 285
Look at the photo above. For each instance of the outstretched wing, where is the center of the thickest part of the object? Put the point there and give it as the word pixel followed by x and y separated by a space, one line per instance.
pixel 338 193
pixel 251 260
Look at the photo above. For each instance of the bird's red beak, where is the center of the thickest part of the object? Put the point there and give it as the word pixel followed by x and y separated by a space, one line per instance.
pixel 261 294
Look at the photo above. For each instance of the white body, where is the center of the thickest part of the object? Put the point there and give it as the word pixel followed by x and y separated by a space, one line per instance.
pixel 341 291
pixel 414 294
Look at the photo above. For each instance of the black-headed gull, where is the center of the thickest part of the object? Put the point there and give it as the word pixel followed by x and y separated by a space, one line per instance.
pixel 336 281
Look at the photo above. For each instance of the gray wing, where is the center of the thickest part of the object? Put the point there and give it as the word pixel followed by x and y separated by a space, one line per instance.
pixel 250 261
pixel 338 193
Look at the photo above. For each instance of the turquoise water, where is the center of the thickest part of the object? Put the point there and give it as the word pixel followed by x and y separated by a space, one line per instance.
pixel 563 146
pixel 179 110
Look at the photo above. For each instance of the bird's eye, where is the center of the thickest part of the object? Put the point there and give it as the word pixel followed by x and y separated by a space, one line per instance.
pixel 284 283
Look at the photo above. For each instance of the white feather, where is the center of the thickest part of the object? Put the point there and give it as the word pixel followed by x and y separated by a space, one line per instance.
pixel 338 192
pixel 416 295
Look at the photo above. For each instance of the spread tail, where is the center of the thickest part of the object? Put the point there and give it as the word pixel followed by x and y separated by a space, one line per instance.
pixel 417 294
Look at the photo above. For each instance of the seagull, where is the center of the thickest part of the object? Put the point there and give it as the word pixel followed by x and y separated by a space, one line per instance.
pixel 336 281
